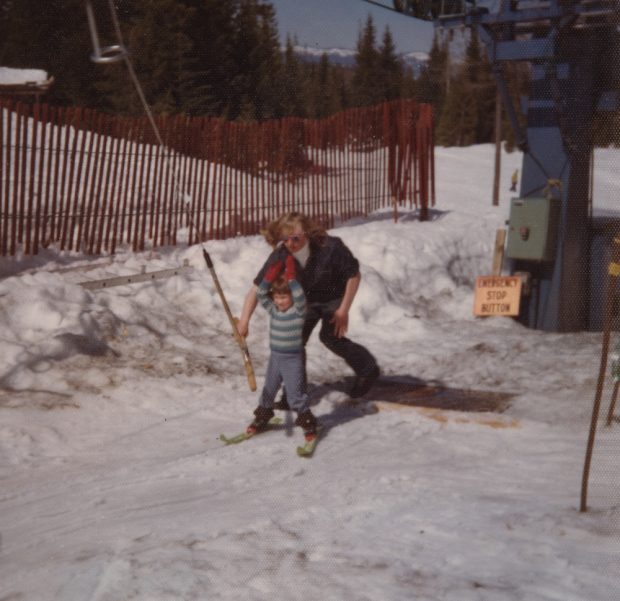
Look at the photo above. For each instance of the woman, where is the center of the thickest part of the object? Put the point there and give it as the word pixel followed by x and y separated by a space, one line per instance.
pixel 330 277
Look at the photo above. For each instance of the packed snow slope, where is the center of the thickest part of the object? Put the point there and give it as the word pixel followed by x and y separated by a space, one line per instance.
pixel 115 486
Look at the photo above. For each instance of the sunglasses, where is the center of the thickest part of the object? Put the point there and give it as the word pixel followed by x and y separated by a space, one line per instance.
pixel 294 238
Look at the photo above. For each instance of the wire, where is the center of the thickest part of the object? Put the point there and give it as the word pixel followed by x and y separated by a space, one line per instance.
pixel 145 104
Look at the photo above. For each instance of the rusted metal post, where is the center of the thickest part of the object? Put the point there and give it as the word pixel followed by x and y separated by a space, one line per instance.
pixel 613 272
pixel 612 405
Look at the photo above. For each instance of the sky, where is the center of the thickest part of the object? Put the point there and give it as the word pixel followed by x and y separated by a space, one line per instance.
pixel 337 23
pixel 115 484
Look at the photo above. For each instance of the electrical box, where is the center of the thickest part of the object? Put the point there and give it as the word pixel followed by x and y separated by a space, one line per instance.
pixel 532 228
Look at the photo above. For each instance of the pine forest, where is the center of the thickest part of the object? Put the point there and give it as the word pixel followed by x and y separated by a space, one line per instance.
pixel 224 58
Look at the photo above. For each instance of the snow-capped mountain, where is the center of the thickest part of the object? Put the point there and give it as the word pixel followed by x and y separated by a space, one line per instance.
pixel 346 57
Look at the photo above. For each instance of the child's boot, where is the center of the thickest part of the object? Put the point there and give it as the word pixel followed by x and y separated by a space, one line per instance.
pixel 308 423
pixel 262 415
pixel 282 404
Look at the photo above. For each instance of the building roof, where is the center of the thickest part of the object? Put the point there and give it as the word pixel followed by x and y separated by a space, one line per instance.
pixel 24 81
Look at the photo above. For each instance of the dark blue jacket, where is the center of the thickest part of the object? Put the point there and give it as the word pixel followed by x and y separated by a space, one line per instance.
pixel 330 265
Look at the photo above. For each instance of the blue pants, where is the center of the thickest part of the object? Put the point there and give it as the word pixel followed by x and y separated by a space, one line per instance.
pixel 288 368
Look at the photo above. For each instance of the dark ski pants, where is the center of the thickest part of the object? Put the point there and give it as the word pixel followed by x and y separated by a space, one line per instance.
pixel 355 355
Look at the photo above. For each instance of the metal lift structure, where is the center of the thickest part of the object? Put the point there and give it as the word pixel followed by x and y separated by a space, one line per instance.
pixel 573 47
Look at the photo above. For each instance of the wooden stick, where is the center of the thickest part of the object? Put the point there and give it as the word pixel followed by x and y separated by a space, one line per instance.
pixel 498 252
pixel 613 273
pixel 249 370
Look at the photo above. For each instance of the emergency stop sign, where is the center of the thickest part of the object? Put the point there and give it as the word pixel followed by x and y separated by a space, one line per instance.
pixel 497 295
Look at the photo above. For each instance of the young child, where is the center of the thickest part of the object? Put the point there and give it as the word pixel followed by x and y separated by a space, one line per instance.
pixel 284 299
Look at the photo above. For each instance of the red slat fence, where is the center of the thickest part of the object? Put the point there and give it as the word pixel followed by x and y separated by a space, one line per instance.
pixel 77 179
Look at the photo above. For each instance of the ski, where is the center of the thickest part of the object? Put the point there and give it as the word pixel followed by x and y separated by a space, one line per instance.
pixel 307 449
pixel 274 421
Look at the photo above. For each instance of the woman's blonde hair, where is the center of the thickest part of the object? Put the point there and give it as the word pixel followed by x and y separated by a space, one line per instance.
pixel 286 223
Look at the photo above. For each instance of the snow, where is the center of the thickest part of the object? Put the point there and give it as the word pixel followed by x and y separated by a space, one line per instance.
pixel 318 52
pixel 115 485
pixel 11 76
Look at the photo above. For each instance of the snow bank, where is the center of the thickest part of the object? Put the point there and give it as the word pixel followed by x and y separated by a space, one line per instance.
pixel 115 485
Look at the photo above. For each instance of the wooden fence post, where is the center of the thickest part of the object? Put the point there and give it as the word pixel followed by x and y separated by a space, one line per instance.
pixel 4 192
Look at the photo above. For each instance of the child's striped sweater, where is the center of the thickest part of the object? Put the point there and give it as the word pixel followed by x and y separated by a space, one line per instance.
pixel 285 327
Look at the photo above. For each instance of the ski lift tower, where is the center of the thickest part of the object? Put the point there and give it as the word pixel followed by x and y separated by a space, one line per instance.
pixel 573 47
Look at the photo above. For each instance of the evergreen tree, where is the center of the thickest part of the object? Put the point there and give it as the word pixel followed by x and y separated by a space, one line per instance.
pixel 390 68
pixel 469 110
pixel 459 118
pixel 365 90
pixel 432 83
pixel 51 36
pixel 517 76
pixel 270 65
pixel 478 75
pixel 159 46
pixel 202 57
pixel 294 101
pixel 340 76
pixel 323 91
pixel 205 83
pixel 257 71
pixel 409 85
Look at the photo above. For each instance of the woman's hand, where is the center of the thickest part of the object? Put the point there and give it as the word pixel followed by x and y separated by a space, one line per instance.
pixel 341 322
pixel 341 315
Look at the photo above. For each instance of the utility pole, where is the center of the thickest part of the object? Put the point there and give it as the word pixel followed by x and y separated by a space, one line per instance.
pixel 498 148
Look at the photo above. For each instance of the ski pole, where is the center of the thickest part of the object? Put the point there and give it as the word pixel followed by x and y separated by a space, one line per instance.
pixel 249 369
pixel 247 362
